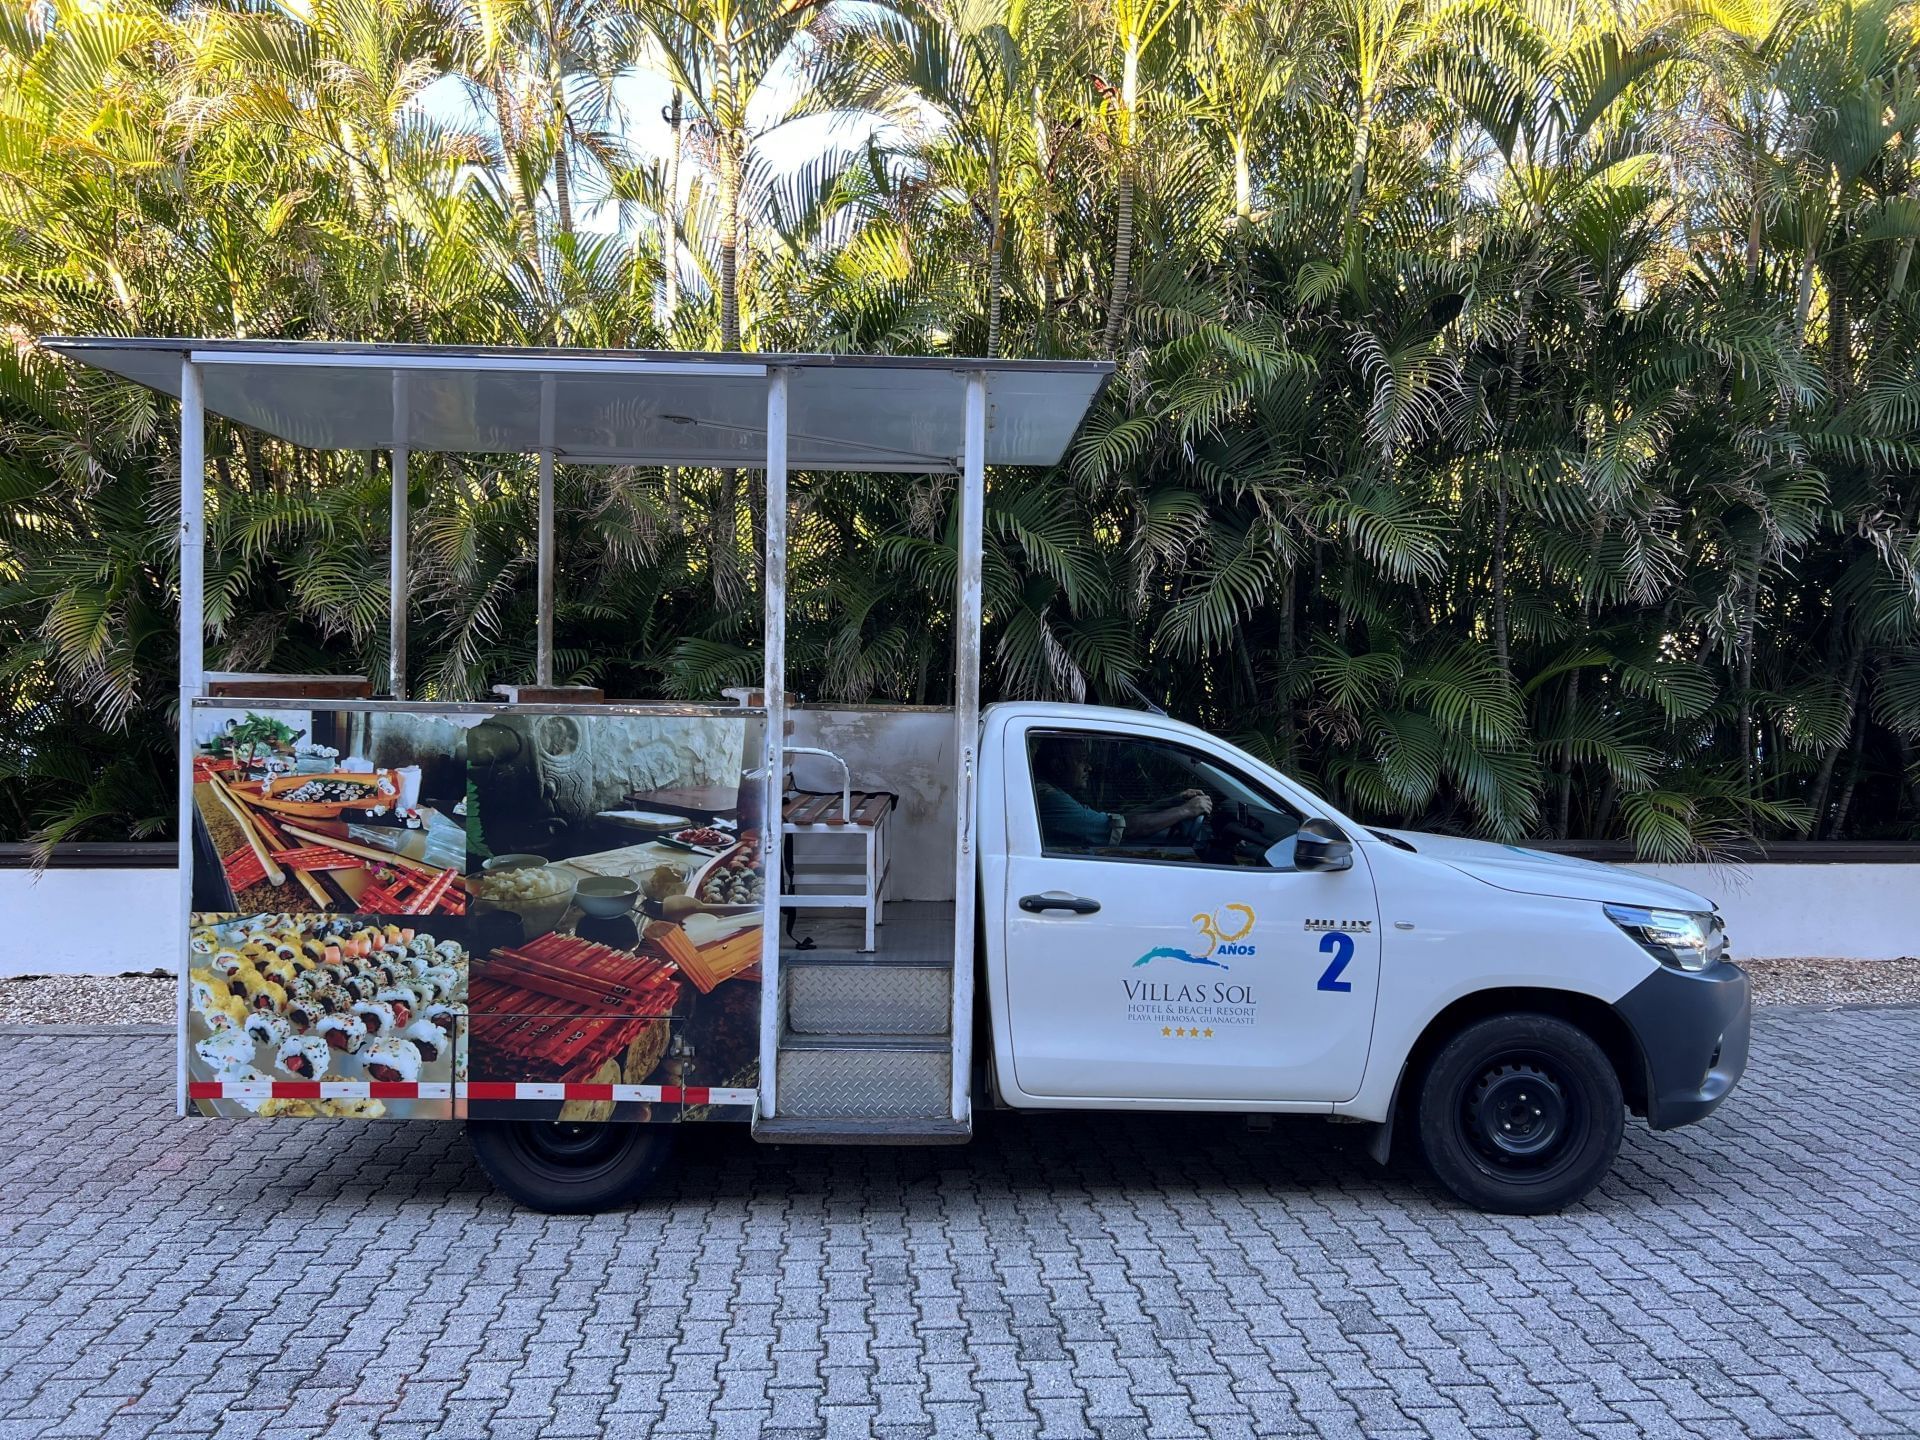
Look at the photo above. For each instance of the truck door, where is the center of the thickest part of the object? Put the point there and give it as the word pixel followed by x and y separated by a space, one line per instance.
pixel 1159 943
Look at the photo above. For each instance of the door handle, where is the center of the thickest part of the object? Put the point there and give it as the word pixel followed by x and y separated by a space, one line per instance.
pixel 1055 900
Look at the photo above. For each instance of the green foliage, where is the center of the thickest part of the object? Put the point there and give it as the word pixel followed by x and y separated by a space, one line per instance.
pixel 1513 429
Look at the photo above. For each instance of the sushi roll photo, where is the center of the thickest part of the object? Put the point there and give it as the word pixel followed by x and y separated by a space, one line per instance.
pixel 224 1012
pixel 402 1000
pixel 343 1032
pixel 204 988
pixel 225 1050
pixel 428 1039
pixel 391 1059
pixel 265 1028
pixel 377 1016
pixel 306 1056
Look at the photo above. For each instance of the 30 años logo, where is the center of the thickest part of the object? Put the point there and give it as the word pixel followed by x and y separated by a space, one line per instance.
pixel 1228 937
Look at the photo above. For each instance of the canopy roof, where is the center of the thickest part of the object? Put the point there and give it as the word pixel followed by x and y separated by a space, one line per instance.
pixel 642 407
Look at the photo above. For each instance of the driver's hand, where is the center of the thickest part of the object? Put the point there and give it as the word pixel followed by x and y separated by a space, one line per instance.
pixel 1199 803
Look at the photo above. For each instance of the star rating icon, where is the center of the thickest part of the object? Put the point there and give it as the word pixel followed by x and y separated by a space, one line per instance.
pixel 1185 1032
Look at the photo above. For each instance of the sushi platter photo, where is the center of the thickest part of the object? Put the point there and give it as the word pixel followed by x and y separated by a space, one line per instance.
pixel 362 1017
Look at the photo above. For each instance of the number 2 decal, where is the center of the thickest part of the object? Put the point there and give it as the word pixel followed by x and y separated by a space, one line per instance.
pixel 1339 944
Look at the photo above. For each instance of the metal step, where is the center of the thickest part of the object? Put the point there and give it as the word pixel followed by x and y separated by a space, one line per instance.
pixel 802 1130
pixel 838 993
pixel 864 1077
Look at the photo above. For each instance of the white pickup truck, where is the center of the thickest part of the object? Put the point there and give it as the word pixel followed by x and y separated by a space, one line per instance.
pixel 1266 952
pixel 560 918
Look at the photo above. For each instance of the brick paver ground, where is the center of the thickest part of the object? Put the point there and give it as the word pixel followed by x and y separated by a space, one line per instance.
pixel 1758 1275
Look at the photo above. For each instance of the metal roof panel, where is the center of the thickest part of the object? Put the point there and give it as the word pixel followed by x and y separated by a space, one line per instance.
pixel 845 412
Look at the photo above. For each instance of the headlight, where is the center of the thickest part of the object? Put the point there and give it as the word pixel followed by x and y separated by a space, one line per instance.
pixel 1683 939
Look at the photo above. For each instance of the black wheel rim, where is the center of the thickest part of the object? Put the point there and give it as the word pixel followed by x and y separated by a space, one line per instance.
pixel 570 1153
pixel 1522 1117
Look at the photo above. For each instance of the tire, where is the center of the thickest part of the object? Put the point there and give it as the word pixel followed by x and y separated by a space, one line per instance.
pixel 569 1168
pixel 1521 1114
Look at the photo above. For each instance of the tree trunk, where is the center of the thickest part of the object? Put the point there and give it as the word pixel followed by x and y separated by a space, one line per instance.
pixel 1288 583
pixel 1839 339
pixel 1362 145
pixel 1747 632
pixel 1500 575
pixel 562 177
pixel 726 520
pixel 1603 816
pixel 729 250
pixel 1839 829
pixel 1048 245
pixel 996 258
pixel 1242 181
pixel 1122 265
pixel 1564 804
pixel 1850 687
pixel 1803 305
pixel 670 217
pixel 1123 227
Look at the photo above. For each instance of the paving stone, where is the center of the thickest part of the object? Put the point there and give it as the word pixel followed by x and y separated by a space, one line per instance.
pixel 1124 1277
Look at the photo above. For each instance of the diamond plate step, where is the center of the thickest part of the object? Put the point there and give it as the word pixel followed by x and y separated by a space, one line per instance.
pixel 863 1077
pixel 839 995
pixel 803 1130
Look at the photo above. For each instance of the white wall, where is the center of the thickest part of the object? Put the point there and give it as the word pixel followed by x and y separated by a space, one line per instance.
pixel 105 922
pixel 1852 912
pixel 89 922
pixel 906 751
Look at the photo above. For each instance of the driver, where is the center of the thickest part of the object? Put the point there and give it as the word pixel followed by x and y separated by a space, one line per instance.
pixel 1063 771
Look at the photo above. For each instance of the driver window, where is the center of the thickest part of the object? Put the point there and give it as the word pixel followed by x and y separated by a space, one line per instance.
pixel 1123 797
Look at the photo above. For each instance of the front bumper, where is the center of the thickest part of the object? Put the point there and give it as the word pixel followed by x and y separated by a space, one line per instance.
pixel 1693 1030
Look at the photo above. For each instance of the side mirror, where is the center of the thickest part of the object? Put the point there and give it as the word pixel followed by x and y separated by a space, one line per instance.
pixel 1319 845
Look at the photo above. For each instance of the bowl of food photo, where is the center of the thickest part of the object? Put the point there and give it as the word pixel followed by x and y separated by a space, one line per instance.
pixel 524 885
pixel 606 897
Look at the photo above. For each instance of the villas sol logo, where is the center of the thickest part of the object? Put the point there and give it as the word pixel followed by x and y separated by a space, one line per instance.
pixel 1201 1009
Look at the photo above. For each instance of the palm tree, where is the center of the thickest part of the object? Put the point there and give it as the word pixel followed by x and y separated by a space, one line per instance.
pixel 1515 433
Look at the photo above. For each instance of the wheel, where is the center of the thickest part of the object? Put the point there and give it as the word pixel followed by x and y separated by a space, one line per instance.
pixel 1521 1114
pixel 569 1168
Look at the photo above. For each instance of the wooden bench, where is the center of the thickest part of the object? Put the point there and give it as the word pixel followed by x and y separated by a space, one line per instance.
pixel 829 884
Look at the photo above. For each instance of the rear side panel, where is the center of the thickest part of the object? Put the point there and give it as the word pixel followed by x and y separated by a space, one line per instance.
pixel 414 912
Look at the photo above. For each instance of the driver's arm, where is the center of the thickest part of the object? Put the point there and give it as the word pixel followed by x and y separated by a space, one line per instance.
pixel 1145 822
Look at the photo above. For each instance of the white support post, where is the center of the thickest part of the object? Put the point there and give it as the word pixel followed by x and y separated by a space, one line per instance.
pixel 399 584
pixel 193 608
pixel 774 683
pixel 543 643
pixel 966 720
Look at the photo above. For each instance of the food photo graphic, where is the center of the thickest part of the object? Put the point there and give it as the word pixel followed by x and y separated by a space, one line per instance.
pixel 324 1016
pixel 616 874
pixel 328 810
pixel 392 904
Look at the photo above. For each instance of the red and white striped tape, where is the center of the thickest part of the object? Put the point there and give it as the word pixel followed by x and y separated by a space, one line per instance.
pixel 460 1090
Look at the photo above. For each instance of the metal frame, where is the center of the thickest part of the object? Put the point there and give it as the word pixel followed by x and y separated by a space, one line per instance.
pixel 193 640
pixel 774 683
pixel 966 721
pixel 401 360
pixel 399 587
